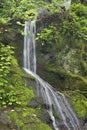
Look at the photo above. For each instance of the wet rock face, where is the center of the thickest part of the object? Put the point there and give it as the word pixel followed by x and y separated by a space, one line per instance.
pixel 48 1
pixel 4 123
pixel 35 102
pixel 43 114
pixel 62 127
pixel 85 127
pixel 3 126
pixel 42 13
pixel 85 124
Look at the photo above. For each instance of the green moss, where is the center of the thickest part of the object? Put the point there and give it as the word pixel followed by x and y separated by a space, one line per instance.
pixel 67 79
pixel 17 70
pixel 79 103
pixel 27 119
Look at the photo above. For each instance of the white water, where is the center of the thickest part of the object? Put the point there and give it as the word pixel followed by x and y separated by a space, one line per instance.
pixel 67 4
pixel 55 100
pixel 29 46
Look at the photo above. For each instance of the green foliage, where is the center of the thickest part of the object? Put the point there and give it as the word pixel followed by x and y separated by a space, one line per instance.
pixel 11 80
pixel 8 98
pixel 79 20
pixel 6 53
pixel 19 9
pixel 50 37
pixel 25 9
pixel 72 28
pixel 44 36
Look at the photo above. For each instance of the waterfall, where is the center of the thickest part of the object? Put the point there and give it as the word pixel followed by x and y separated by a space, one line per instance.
pixel 55 100
pixel 29 46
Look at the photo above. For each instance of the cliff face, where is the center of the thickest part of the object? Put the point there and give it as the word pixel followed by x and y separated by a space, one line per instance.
pixel 61 49
pixel 61 55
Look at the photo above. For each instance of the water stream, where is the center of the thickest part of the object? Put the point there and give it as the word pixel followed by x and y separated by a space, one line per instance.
pixel 55 100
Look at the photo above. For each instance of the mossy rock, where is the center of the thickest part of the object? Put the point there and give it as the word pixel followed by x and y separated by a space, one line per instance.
pixel 79 102
pixel 26 119
pixel 66 80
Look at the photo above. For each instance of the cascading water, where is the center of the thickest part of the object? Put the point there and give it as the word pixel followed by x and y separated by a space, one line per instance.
pixel 29 46
pixel 55 100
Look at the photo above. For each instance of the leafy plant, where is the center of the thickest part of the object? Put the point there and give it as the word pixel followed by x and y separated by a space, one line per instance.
pixel 6 53
pixel 13 90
